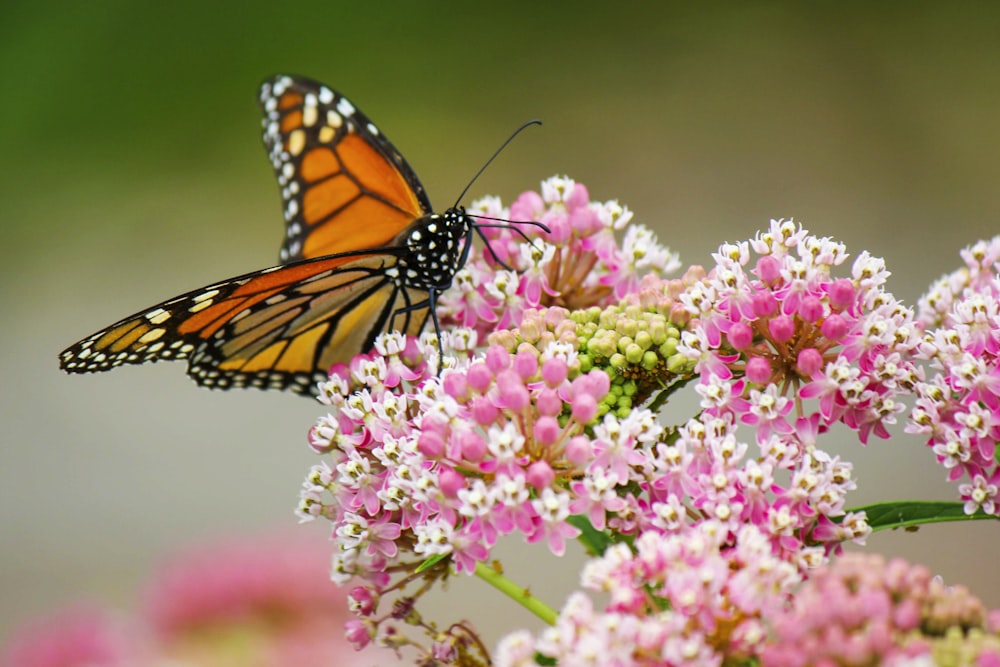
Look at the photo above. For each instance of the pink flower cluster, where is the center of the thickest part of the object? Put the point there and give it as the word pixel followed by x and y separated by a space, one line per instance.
pixel 695 597
pixel 792 329
pixel 958 406
pixel 862 610
pixel 701 598
pixel 435 466
pixel 256 602
pixel 548 428
pixel 84 635
pixel 578 263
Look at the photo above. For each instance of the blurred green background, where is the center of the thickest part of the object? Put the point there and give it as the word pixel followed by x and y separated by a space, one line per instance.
pixel 132 171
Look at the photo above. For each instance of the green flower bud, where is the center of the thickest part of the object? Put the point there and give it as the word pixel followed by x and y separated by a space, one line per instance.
pixel 633 353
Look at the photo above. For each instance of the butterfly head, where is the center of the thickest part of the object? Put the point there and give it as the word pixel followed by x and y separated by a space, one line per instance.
pixel 437 246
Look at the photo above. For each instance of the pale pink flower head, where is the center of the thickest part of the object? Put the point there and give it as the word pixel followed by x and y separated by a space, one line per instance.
pixel 784 319
pixel 958 405
pixel 264 600
pixel 576 264
pixel 83 635
pixel 863 610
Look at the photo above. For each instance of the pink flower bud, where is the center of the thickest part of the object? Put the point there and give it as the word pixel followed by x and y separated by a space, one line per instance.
pixel 430 444
pixel 497 359
pixel 578 197
pixel 758 370
pixel 479 377
pixel 473 446
pixel 528 206
pixel 809 362
pixel 540 475
pixel 456 386
pixel 526 364
pixel 450 482
pixel 547 402
pixel 546 430
pixel 834 327
pixel 599 383
pixel 359 633
pixel 811 309
pixel 740 335
pixel 764 304
pixel 584 408
pixel 768 269
pixel 841 293
pixel 554 372
pixel 513 394
pixel 483 411
pixel 781 328
pixel 579 451
pixel 558 224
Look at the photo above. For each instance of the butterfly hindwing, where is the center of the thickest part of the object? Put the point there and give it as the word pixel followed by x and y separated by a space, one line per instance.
pixel 343 184
pixel 279 328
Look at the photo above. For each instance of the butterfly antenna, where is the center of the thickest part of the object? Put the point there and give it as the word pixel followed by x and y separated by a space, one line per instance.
pixel 533 121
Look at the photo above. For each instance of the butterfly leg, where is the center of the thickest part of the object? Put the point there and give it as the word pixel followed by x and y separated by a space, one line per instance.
pixel 430 303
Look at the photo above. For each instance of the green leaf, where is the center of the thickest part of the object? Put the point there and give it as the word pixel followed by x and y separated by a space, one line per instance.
pixel 913 513
pixel 595 542
pixel 430 562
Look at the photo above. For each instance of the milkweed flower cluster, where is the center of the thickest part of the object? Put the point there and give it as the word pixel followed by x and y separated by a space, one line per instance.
pixel 793 331
pixel 83 635
pixel 958 406
pixel 247 601
pixel 862 610
pixel 540 420
pixel 578 263
pixel 694 597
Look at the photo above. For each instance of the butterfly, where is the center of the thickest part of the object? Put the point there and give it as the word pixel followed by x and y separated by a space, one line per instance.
pixel 363 253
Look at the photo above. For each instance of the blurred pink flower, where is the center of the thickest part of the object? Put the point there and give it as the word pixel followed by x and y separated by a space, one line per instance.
pixel 83 635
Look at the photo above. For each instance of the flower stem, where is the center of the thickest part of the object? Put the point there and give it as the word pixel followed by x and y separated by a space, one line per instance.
pixel 522 596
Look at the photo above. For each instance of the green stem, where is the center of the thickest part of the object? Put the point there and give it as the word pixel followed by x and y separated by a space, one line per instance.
pixel 522 596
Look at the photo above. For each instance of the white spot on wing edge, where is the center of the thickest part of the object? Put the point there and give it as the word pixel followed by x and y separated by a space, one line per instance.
pixel 206 295
pixel 157 316
pixel 345 107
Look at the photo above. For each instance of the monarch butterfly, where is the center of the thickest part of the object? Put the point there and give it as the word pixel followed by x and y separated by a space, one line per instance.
pixel 363 253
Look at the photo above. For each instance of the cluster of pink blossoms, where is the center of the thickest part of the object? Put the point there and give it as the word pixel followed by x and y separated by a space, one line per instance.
pixel 433 466
pixel 794 331
pixel 958 407
pixel 547 428
pixel 250 602
pixel 577 264
pixel 862 610
pixel 694 597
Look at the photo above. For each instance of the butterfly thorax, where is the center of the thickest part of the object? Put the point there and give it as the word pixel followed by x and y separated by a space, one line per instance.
pixel 436 249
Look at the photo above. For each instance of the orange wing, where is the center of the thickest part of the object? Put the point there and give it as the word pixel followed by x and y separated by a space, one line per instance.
pixel 345 187
pixel 280 328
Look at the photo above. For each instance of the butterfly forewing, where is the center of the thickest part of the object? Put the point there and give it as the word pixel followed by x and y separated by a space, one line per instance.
pixel 343 184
